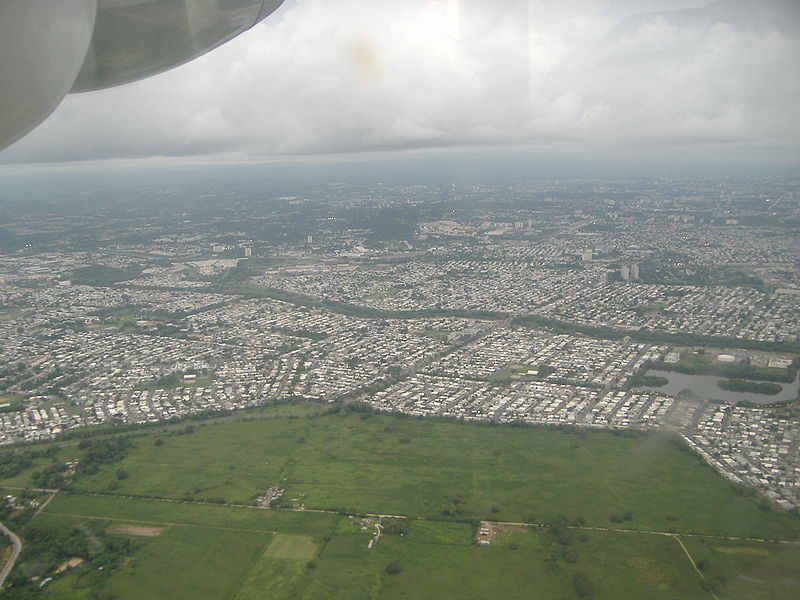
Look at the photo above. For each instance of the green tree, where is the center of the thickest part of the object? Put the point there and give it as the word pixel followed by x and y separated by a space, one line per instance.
pixel 582 585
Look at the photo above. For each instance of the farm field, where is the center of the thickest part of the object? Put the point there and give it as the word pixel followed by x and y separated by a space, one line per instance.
pixel 605 507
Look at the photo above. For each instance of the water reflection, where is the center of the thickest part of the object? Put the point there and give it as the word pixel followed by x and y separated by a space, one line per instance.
pixel 706 386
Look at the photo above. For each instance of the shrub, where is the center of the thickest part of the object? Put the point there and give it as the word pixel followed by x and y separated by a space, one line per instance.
pixel 583 587
pixel 393 568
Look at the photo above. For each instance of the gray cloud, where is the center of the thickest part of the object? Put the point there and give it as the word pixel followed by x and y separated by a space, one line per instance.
pixel 350 76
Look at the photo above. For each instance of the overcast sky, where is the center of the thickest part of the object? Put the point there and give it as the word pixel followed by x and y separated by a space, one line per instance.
pixel 618 77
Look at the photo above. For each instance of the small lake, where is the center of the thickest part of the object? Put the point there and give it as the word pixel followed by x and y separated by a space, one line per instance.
pixel 705 386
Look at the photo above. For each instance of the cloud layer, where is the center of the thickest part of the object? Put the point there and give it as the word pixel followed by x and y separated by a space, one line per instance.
pixel 351 76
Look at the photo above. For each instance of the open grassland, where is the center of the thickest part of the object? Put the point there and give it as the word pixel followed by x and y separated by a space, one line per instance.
pixel 617 499
pixel 182 562
pixel 201 551
pixel 295 547
pixel 436 469
pixel 280 568
pixel 618 565
pixel 56 456
pixel 200 555
pixel 189 562
pixel 749 571
pixel 179 514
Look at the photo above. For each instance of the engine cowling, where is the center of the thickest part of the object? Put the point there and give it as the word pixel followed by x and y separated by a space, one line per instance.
pixel 49 48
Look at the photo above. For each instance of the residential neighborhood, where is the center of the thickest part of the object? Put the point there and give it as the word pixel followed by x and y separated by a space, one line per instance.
pixel 569 305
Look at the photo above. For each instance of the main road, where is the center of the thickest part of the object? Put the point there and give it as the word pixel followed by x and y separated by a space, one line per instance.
pixel 15 550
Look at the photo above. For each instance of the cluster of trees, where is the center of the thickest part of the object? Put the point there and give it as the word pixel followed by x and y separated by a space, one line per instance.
pixel 640 379
pixel 757 387
pixel 12 375
pixel 13 463
pixel 102 452
pixel 165 382
pixel 675 268
pixel 787 413
pixel 238 274
pixel 741 370
pixel 454 509
pixel 394 568
pixel 620 517
pixel 582 585
pixel 395 526
pixel 359 406
pixel 568 552
pixel 654 337
pixel 45 548
pixel 98 453
pixel 103 275
pixel 15 518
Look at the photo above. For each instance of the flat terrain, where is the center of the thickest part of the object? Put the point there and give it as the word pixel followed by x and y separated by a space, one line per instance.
pixel 240 557
pixel 599 506
pixel 435 469
pixel 127 529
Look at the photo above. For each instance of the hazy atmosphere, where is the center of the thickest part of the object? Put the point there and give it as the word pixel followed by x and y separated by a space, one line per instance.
pixel 421 299
pixel 611 77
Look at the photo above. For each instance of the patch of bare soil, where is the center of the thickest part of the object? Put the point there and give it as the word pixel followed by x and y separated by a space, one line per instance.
pixel 140 530
pixel 72 562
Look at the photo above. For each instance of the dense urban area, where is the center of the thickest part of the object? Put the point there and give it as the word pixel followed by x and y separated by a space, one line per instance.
pixel 587 303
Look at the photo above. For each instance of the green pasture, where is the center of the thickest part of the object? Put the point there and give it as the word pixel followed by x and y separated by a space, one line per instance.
pixel 437 469
pixel 23 479
pixel 203 551
pixel 189 562
pixel 295 547
pixel 445 477
pixel 180 514
pixel 748 570
pixel 213 552
pixel 181 562
pixel 531 563
pixel 69 450
pixel 280 568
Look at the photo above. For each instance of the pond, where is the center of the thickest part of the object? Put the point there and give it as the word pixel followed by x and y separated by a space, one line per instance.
pixel 705 386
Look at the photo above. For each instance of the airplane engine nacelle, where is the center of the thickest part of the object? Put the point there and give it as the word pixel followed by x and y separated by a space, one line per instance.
pixel 49 48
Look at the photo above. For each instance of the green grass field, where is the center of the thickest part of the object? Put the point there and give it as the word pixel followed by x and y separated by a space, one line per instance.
pixel 223 552
pixel 444 477
pixel 201 551
pixel 750 571
pixel 215 552
pixel 294 547
pixel 280 568
pixel 179 514
pixel 422 468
